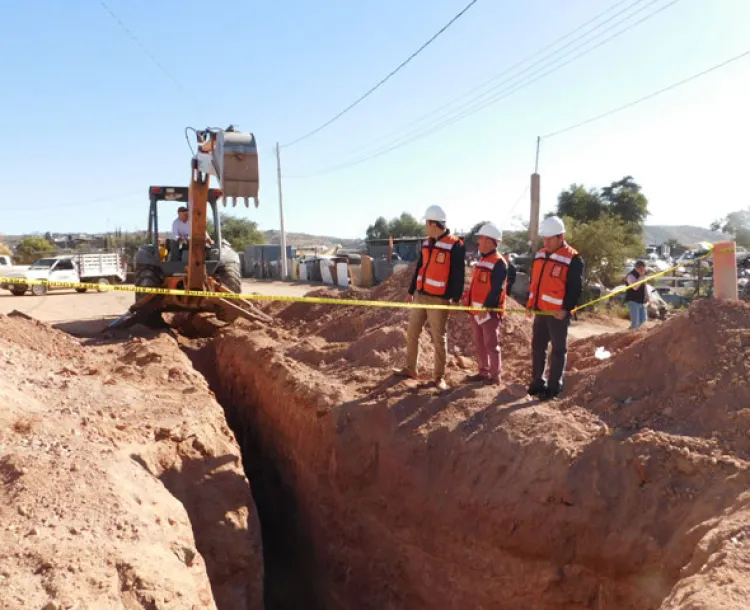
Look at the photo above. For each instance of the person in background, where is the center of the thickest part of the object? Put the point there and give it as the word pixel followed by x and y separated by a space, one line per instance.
pixel 556 285
pixel 511 277
pixel 487 289
pixel 637 296
pixel 438 280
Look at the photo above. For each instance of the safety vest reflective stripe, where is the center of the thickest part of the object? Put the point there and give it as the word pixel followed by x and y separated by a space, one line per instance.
pixel 549 274
pixel 434 273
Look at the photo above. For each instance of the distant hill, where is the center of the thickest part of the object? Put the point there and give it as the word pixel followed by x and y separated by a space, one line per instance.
pixel 305 240
pixel 685 235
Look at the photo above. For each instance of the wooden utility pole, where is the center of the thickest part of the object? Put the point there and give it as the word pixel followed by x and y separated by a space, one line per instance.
pixel 284 270
pixel 534 217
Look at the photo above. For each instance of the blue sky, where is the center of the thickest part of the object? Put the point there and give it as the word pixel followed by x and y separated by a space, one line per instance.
pixel 91 121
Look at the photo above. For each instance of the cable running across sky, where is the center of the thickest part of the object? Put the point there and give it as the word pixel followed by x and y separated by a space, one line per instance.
pixel 384 80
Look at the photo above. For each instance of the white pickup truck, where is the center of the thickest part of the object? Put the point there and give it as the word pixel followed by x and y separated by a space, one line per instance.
pixel 104 268
pixel 6 264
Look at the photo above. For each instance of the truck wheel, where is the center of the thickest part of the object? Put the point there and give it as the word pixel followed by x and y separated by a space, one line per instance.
pixel 148 277
pixel 38 290
pixel 18 292
pixel 81 290
pixel 102 281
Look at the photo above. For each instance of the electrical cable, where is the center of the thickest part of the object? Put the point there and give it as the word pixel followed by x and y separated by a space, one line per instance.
pixel 647 97
pixel 498 95
pixel 384 80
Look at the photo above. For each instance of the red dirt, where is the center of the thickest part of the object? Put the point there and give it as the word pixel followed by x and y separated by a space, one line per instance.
pixel 120 484
pixel 629 494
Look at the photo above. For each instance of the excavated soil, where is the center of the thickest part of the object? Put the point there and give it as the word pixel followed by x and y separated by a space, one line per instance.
pixel 121 486
pixel 628 494
pixel 631 493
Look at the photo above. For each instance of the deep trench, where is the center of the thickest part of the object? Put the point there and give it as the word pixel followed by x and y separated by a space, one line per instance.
pixel 290 579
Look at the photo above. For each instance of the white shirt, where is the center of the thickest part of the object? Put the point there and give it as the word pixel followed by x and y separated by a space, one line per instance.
pixel 180 229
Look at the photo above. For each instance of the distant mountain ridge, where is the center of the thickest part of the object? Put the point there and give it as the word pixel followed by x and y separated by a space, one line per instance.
pixel 685 235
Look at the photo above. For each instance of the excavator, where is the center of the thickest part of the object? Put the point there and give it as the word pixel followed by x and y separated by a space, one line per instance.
pixel 202 263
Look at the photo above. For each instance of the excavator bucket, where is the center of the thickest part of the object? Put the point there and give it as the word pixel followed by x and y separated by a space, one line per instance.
pixel 236 155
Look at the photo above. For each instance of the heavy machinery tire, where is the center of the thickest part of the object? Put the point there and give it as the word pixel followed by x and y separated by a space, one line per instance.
pixel 229 275
pixel 148 277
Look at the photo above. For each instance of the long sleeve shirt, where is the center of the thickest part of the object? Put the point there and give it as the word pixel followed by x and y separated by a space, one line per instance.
pixel 457 276
pixel 499 273
pixel 574 283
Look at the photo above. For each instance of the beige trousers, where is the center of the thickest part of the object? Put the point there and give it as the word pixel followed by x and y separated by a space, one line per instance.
pixel 438 322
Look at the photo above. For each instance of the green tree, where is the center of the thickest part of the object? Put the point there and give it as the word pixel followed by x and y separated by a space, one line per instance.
pixel 579 203
pixel 736 224
pixel 604 244
pixel 403 226
pixel 5 249
pixel 239 232
pixel 34 245
pixel 625 200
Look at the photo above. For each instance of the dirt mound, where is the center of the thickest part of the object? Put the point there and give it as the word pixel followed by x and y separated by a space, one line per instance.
pixel 688 377
pixel 476 498
pixel 120 483
pixel 344 325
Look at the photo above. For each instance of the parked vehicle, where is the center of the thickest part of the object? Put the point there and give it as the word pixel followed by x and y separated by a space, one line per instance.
pixel 101 268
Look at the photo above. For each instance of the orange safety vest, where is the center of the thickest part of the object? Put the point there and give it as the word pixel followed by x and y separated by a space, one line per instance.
pixel 481 285
pixel 433 275
pixel 549 274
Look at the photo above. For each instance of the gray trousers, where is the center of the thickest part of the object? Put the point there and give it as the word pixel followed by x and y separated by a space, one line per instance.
pixel 546 330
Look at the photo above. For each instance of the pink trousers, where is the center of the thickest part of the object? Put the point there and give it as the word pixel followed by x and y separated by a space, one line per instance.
pixel 487 346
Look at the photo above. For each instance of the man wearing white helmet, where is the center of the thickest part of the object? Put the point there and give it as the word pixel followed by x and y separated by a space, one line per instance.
pixel 556 285
pixel 438 280
pixel 488 290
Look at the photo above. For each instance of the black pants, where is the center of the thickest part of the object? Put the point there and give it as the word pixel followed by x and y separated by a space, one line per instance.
pixel 549 329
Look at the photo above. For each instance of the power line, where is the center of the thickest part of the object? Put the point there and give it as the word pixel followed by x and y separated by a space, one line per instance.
pixel 498 93
pixel 144 49
pixel 648 97
pixel 518 64
pixel 384 80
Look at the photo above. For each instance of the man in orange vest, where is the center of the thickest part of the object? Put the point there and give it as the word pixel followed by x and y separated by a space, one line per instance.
pixel 438 280
pixel 488 290
pixel 556 285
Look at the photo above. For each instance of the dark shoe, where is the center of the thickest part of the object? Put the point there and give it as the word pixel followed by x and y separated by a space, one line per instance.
pixel 535 389
pixel 475 378
pixel 548 394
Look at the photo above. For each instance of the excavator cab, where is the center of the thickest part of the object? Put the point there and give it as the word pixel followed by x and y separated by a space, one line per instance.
pixel 200 264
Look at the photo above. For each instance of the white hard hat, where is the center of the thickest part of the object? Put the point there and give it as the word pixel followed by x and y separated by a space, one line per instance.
pixel 490 230
pixel 434 212
pixel 551 227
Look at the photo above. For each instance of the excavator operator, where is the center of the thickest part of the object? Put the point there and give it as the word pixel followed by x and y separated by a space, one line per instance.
pixel 181 233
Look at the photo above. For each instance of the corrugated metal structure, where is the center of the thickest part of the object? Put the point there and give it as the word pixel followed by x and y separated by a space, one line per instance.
pixel 406 248
pixel 264 261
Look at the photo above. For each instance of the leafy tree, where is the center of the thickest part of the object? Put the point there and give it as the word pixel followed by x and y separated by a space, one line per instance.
pixel 625 200
pixel 48 237
pixel 403 226
pixel 604 244
pixel 378 230
pixel 239 232
pixel 736 224
pixel 580 203
pixel 34 245
pixel 5 249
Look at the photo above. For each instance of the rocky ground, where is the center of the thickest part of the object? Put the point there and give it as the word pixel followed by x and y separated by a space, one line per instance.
pixel 371 492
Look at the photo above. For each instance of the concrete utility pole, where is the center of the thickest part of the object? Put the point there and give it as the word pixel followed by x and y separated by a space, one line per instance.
pixel 284 270
pixel 534 218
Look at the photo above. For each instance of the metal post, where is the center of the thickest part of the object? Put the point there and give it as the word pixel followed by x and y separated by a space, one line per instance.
pixel 284 270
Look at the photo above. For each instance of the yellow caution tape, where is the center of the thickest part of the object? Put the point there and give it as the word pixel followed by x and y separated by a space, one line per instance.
pixel 317 300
